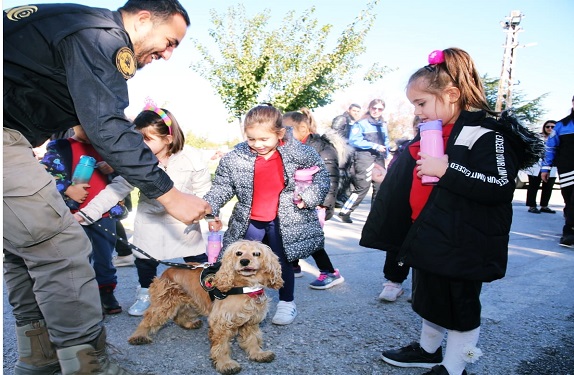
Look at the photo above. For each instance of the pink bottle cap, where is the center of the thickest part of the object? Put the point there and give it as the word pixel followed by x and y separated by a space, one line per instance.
pixel 306 174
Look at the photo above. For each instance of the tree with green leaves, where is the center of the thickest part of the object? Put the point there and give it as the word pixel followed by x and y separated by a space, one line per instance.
pixel 529 111
pixel 289 66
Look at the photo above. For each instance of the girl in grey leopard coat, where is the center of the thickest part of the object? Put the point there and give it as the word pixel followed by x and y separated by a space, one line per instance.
pixel 259 172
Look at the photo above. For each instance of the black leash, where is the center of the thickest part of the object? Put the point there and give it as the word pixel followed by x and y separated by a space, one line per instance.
pixel 134 247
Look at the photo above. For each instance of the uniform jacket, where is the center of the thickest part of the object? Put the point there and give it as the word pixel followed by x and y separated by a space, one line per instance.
pixel 300 230
pixel 560 150
pixel 60 71
pixel 366 135
pixel 463 230
pixel 536 168
pixel 160 234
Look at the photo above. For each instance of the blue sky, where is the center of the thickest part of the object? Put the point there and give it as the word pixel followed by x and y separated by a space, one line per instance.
pixel 405 32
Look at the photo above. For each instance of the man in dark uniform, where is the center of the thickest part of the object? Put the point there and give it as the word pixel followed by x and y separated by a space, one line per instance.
pixel 342 124
pixel 560 153
pixel 67 64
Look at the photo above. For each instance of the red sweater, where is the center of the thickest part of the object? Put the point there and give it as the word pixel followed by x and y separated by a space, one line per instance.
pixel 420 193
pixel 268 182
pixel 98 181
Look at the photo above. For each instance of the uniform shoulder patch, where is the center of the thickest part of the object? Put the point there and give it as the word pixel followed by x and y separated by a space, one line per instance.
pixel 15 14
pixel 126 62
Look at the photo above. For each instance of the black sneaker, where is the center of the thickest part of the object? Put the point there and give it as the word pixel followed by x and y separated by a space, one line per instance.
pixel 547 210
pixel 440 370
pixel 345 218
pixel 534 210
pixel 412 355
pixel 567 240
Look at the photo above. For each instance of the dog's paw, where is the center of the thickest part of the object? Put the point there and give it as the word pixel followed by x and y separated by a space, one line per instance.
pixel 194 324
pixel 267 356
pixel 139 340
pixel 228 368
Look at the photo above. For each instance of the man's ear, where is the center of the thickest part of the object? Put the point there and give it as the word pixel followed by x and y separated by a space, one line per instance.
pixel 453 94
pixel 142 20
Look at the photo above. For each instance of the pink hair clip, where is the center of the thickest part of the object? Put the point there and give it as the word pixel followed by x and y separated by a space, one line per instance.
pixel 150 106
pixel 436 57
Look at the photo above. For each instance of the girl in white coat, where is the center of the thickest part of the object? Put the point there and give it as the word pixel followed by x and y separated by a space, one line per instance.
pixel 155 231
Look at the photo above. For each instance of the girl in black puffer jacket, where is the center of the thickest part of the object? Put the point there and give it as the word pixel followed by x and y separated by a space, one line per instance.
pixel 453 234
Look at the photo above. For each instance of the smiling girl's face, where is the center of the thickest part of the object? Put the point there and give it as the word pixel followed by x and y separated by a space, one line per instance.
pixel 262 139
pixel 429 106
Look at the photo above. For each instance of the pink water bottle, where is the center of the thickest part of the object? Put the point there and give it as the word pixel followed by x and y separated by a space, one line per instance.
pixel 432 144
pixel 213 246
pixel 303 179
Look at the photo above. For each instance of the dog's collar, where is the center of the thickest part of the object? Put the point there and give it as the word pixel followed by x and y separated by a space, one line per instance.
pixel 250 291
pixel 206 279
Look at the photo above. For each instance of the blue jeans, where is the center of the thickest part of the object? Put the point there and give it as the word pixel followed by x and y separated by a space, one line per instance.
pixel 268 233
pixel 103 245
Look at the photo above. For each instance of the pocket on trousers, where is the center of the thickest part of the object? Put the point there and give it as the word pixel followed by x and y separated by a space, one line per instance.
pixel 35 217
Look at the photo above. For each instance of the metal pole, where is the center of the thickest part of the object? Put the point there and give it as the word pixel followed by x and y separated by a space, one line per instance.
pixel 505 84
pixel 502 83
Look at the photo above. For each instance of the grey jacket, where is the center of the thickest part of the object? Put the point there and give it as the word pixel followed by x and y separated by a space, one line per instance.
pixel 300 230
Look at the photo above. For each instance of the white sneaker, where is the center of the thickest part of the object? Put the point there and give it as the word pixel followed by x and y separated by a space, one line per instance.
pixel 391 291
pixel 285 314
pixel 123 261
pixel 142 303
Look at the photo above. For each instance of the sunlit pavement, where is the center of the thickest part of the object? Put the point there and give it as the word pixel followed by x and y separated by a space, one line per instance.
pixel 528 316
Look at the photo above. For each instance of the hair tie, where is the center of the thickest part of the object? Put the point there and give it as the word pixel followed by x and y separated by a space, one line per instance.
pixel 151 106
pixel 436 57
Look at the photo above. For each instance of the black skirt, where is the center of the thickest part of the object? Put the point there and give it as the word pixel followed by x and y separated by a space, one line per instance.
pixel 449 303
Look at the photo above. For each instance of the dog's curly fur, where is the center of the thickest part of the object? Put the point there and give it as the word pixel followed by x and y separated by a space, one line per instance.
pixel 178 295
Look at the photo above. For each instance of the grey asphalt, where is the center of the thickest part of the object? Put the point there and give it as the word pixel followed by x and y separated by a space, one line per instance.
pixel 527 320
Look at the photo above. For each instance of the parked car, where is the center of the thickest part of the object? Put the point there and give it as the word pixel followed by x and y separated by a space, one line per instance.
pixel 521 180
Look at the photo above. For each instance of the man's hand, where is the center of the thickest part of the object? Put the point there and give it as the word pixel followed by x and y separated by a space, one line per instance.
pixel 544 176
pixel 186 208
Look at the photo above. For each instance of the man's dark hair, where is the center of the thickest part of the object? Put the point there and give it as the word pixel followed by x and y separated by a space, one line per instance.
pixel 161 9
pixel 354 106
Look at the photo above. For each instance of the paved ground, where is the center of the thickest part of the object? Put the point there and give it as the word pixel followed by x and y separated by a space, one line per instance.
pixel 527 320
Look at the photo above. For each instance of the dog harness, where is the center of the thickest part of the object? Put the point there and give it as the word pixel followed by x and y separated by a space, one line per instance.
pixel 206 281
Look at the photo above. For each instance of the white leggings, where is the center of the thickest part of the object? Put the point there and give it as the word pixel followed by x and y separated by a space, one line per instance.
pixel 460 346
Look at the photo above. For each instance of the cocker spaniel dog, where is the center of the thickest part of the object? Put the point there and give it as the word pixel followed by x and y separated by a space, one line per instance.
pixel 232 297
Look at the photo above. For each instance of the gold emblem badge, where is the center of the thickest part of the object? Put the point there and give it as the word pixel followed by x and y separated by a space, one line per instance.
pixel 126 62
pixel 15 14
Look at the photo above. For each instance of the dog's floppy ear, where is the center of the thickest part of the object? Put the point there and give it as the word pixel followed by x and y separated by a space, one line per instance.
pixel 271 268
pixel 225 277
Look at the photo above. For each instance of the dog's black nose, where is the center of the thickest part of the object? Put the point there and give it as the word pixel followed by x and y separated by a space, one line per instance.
pixel 244 262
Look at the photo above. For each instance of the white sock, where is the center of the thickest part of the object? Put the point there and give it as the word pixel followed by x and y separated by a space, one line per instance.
pixel 460 350
pixel 431 336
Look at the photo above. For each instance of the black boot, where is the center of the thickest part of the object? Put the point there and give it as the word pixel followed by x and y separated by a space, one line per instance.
pixel 110 304
pixel 345 218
